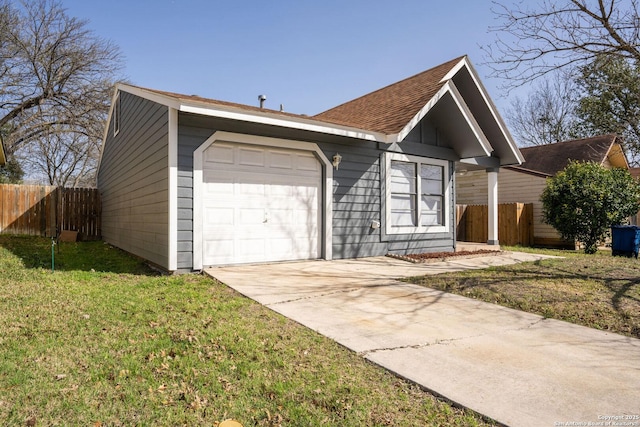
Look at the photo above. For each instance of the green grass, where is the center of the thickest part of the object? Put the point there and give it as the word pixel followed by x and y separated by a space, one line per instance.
pixel 599 291
pixel 105 341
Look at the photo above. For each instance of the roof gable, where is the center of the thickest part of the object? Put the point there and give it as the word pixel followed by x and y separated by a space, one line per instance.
pixel 396 109
pixel 388 110
pixel 552 158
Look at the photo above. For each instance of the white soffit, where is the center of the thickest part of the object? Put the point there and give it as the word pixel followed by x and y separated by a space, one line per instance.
pixel 449 88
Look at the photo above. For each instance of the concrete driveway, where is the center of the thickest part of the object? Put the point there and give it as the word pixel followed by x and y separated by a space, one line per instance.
pixel 517 368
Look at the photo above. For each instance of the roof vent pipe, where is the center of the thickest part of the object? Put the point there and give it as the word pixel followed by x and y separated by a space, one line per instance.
pixel 262 98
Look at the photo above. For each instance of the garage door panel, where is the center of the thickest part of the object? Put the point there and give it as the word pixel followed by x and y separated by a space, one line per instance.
pixel 279 248
pixel 251 157
pixel 279 217
pixel 308 163
pixel 224 186
pixel 281 160
pixel 251 216
pixel 250 189
pixel 221 250
pixel 220 153
pixel 216 216
pixel 250 248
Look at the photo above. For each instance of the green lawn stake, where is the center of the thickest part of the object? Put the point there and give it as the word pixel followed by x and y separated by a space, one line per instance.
pixel 53 244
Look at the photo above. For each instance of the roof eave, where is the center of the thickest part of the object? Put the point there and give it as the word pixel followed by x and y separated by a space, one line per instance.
pixel 266 117
pixel 528 171
pixel 275 119
pixel 449 86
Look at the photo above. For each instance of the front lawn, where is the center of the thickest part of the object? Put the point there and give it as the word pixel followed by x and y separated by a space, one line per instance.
pixel 105 341
pixel 599 291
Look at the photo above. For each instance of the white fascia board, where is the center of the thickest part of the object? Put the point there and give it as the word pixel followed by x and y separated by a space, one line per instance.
pixel 465 63
pixel 166 100
pixel 450 88
pixel 288 122
pixel 107 126
pixel 454 70
pixel 419 116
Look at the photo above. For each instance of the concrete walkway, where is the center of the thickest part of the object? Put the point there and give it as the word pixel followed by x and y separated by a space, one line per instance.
pixel 517 368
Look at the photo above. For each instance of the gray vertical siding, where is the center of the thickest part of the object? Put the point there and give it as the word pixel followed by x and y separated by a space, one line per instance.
pixel 133 181
pixel 357 190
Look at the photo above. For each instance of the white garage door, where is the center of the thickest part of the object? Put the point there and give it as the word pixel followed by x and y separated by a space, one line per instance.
pixel 260 204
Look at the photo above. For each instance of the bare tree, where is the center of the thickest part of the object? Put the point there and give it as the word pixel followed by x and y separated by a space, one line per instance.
pixel 611 101
pixel 55 78
pixel 536 38
pixel 547 114
pixel 61 158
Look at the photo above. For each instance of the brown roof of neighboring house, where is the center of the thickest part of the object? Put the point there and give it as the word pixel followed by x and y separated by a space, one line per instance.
pixel 550 159
pixel 388 110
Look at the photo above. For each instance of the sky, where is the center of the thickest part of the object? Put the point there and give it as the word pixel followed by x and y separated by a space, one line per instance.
pixel 307 55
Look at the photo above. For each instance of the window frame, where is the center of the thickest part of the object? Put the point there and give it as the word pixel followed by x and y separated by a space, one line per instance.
pixel 417 162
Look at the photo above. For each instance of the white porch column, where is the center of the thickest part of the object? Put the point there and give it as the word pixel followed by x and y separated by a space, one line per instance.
pixel 492 187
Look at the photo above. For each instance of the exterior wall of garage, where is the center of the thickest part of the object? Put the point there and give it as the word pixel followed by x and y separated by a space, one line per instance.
pixel 357 189
pixel 133 180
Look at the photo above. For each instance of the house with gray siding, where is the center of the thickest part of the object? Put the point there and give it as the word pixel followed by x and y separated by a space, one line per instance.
pixel 189 182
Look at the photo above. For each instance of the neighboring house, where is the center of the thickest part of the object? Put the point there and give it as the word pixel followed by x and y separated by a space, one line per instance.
pixel 188 182
pixel 525 183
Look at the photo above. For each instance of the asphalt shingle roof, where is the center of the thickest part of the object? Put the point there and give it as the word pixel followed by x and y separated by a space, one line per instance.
pixel 209 101
pixel 552 158
pixel 388 110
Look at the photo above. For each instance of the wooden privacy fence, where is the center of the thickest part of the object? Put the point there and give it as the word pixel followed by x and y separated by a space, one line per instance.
pixel 46 210
pixel 515 223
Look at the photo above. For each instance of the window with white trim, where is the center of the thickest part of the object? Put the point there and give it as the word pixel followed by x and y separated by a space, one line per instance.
pixel 417 194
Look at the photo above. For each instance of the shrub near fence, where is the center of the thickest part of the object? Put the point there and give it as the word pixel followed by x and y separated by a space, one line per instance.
pixel 46 210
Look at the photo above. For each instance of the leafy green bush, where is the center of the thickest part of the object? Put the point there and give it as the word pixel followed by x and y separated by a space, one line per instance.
pixel 584 200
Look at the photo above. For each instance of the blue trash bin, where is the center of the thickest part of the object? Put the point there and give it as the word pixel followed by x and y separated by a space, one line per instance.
pixel 625 240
